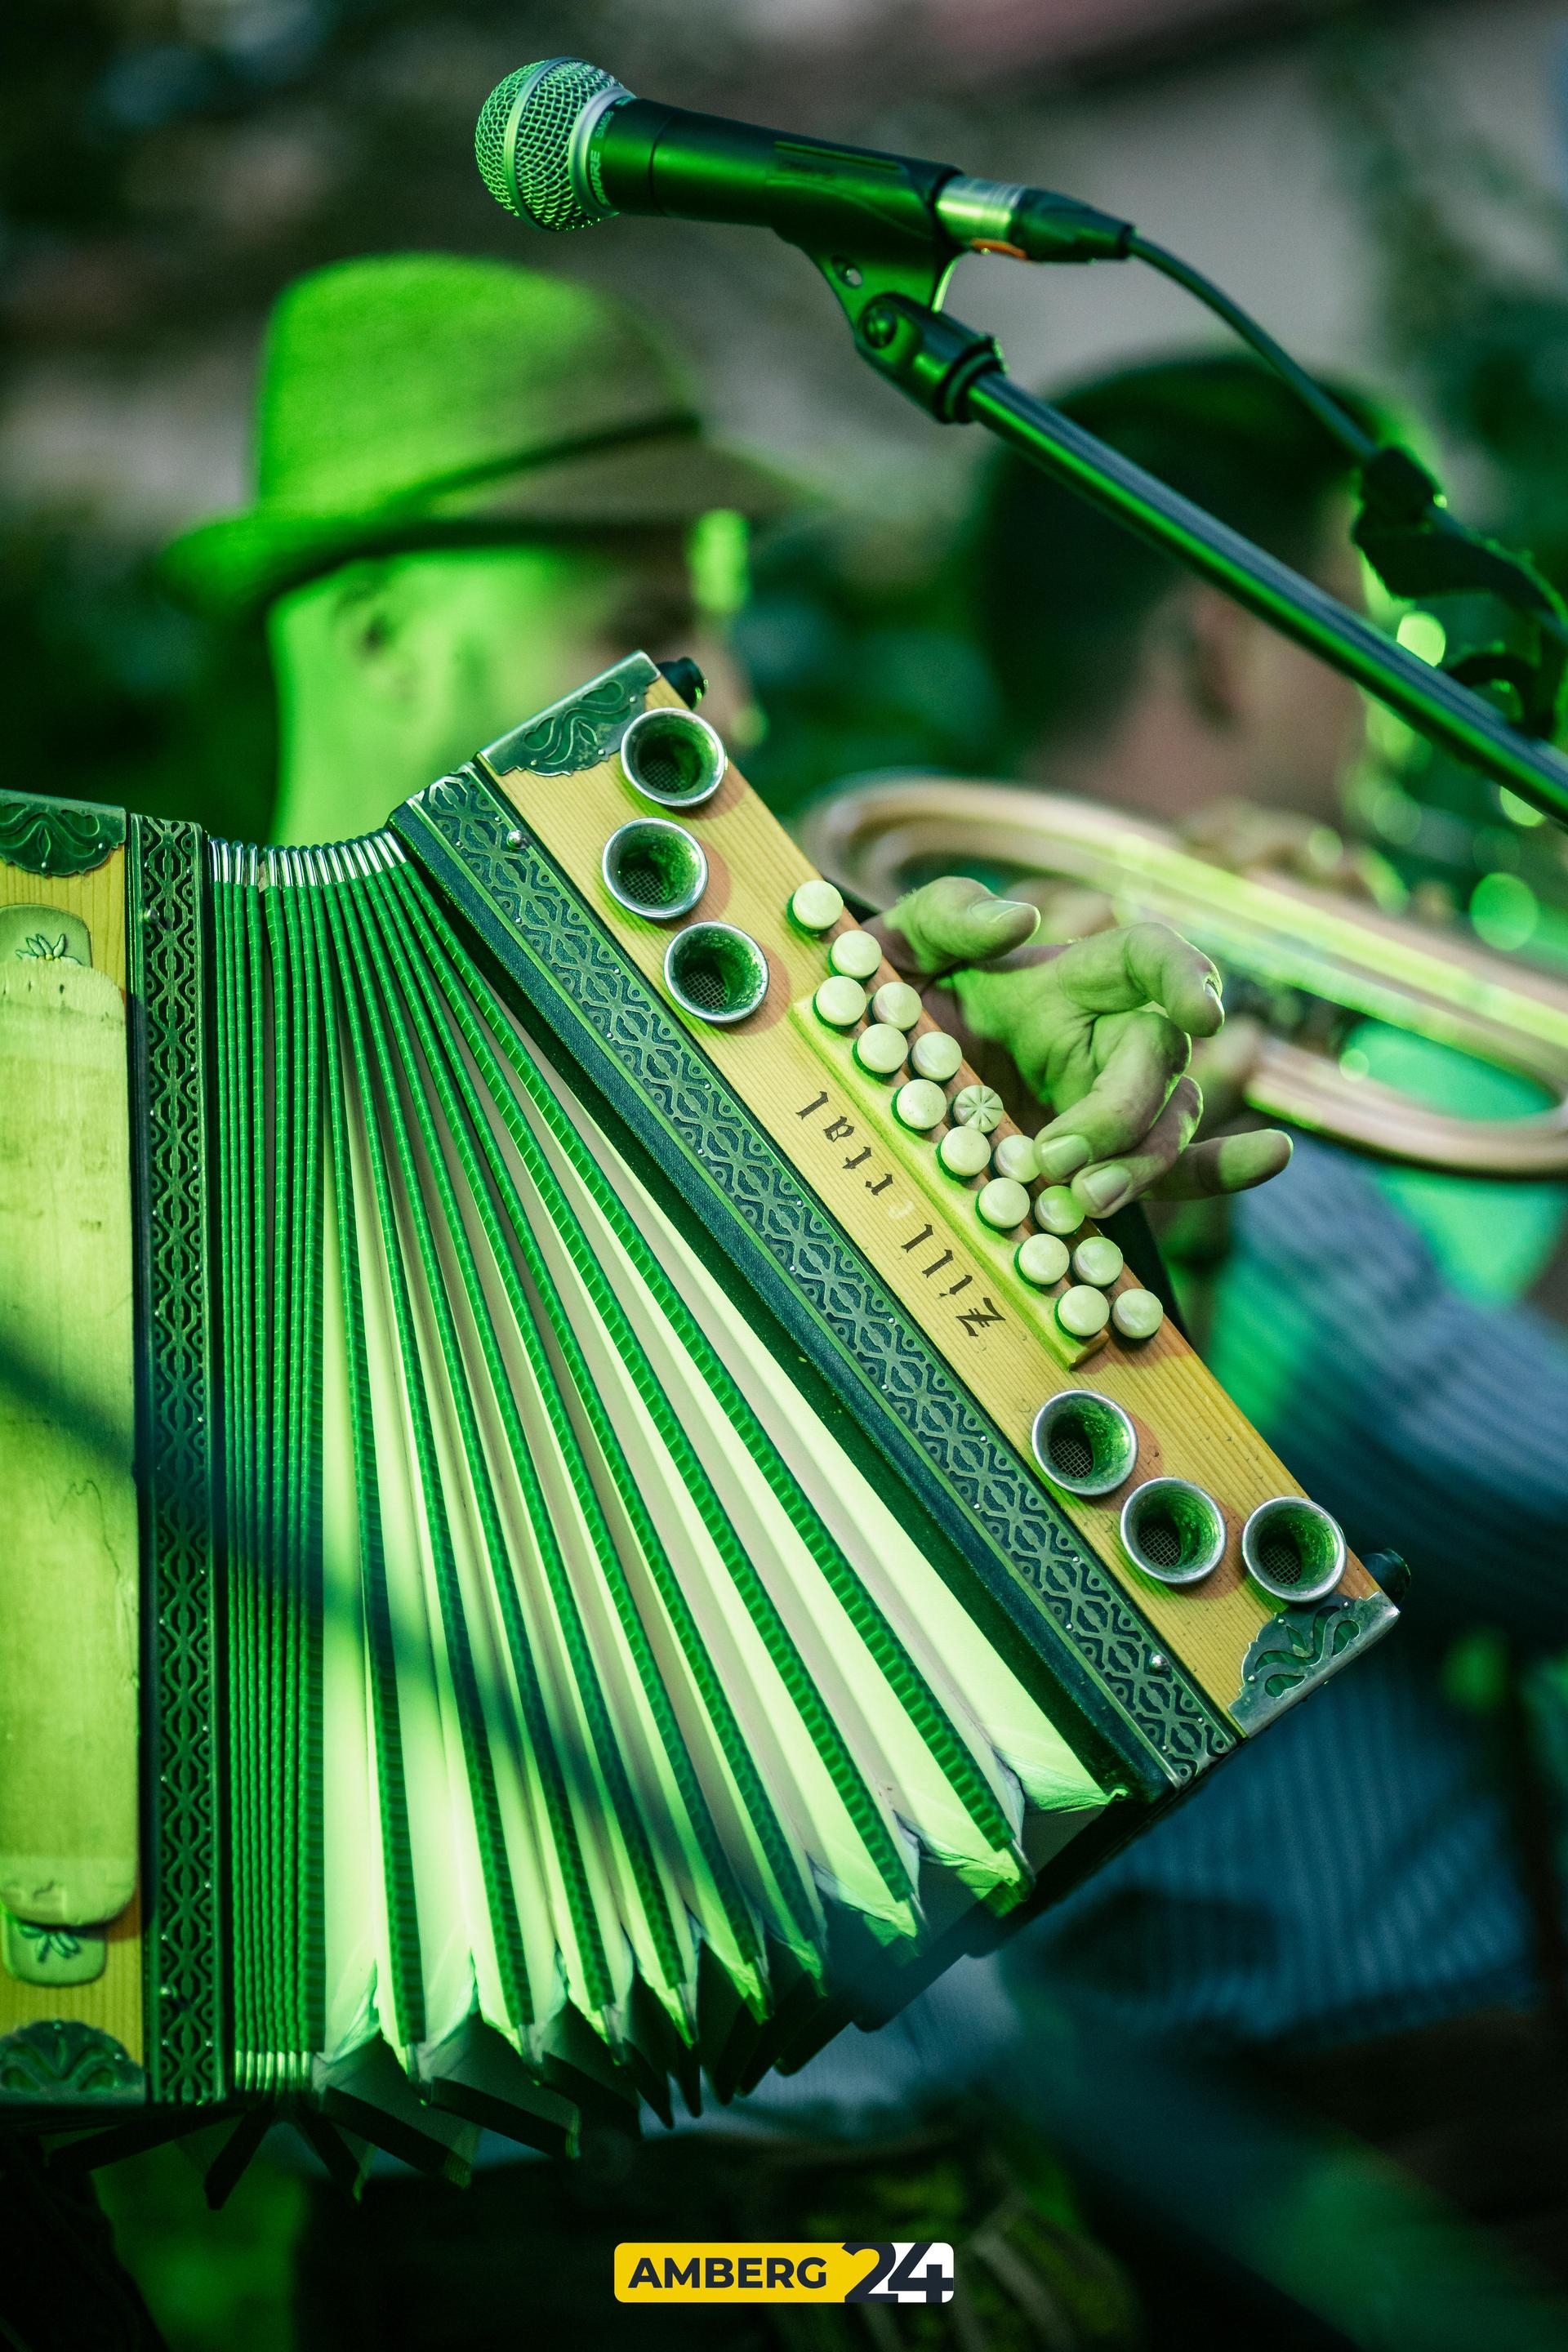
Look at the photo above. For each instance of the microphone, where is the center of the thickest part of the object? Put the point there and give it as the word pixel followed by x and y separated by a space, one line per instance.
pixel 563 145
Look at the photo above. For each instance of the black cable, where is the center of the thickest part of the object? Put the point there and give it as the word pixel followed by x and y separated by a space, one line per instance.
pixel 1357 445
pixel 1413 544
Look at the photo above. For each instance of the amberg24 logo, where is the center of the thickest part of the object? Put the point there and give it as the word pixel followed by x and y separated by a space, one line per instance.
pixel 858 2270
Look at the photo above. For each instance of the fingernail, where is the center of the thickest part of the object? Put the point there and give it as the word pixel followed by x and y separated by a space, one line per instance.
pixel 1211 982
pixel 1103 1189
pixel 1000 911
pixel 1063 1156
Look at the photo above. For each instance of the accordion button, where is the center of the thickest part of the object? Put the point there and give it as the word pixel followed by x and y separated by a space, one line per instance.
pixel 840 1003
pixel 919 1104
pixel 855 954
pixel 1098 1260
pixel 1056 1211
pixel 816 906
pixel 1042 1260
pixel 882 1048
pixel 937 1055
pixel 978 1106
pixel 1003 1203
pixel 1137 1314
pixel 1081 1312
pixel 896 1002
pixel 964 1152
pixel 1015 1157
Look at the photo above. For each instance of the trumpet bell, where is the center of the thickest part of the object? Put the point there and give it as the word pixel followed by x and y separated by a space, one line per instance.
pixel 1291 940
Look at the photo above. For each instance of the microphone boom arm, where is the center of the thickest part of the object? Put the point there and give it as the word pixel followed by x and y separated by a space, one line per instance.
pixel 959 377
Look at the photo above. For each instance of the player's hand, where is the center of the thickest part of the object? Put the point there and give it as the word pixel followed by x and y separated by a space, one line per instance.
pixel 1090 1044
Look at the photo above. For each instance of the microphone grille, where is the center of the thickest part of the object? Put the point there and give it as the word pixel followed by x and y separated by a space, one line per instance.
pixel 523 140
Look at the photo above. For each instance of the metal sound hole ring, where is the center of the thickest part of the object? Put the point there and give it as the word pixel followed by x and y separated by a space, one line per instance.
pixel 1293 1550
pixel 654 868
pixel 716 973
pixel 1083 1442
pixel 1173 1531
pixel 673 757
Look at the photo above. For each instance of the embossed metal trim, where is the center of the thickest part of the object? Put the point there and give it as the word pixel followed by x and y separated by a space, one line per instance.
pixel 1301 1647
pixel 580 730
pixel 167 970
pixel 568 950
pixel 50 836
pixel 57 2061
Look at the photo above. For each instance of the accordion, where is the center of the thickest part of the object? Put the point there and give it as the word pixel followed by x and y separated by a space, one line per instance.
pixel 576 1520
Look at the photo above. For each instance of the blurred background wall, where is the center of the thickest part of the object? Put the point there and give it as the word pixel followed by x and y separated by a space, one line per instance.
pixel 1382 184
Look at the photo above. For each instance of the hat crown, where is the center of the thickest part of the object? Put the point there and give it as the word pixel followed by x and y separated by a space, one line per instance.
pixel 383 378
pixel 420 399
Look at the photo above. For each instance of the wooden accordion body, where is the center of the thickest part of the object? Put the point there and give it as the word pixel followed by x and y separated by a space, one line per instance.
pixel 534 1575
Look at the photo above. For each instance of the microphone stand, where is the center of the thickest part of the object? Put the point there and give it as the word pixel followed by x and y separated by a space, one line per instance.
pixel 958 376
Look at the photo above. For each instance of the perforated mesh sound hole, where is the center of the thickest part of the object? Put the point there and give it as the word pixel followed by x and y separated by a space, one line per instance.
pixel 1173 1531
pixel 703 984
pixel 672 767
pixel 642 878
pixel 1280 1556
pixel 1293 1550
pixel 673 758
pixel 538 186
pixel 716 971
pixel 1159 1539
pixel 655 868
pixel 1084 1442
pixel 1069 1448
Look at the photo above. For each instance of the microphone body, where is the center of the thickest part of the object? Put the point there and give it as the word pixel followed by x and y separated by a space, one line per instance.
pixel 651 158
pixel 563 144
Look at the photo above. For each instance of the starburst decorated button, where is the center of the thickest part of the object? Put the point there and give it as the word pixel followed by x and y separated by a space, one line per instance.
pixel 978 1106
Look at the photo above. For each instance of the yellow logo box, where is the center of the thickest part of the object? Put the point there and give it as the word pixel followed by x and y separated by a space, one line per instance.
pixel 767 2270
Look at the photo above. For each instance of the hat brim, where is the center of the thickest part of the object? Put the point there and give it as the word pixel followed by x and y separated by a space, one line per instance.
pixel 240 562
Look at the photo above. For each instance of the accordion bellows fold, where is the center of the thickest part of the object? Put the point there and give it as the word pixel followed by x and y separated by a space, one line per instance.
pixel 578 1677
pixel 559 1553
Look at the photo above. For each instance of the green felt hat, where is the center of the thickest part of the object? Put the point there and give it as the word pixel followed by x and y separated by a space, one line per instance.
pixel 421 400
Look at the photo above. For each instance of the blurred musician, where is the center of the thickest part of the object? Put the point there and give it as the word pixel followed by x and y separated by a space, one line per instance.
pixel 1352 1908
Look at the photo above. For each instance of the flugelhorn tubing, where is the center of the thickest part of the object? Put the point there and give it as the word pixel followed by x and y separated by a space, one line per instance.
pixel 875 837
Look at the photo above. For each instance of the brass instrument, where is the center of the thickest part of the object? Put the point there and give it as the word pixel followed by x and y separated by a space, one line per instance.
pixel 879 838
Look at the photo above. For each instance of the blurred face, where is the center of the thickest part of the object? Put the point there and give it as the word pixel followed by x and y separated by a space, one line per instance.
pixel 1220 707
pixel 1303 722
pixel 391 671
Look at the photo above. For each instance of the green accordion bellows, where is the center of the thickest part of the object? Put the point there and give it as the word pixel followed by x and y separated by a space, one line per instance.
pixel 576 1667
pixel 593 1642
